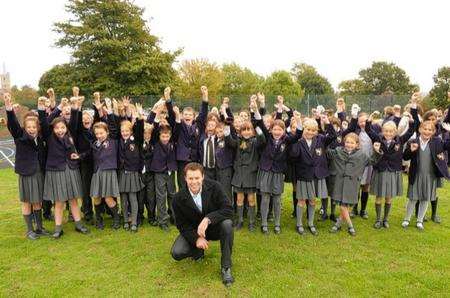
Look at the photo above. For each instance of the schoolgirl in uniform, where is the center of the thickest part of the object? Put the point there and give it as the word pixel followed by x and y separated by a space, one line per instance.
pixel 246 164
pixel 348 163
pixel 62 175
pixel 387 180
pixel 272 166
pixel 104 153
pixel 30 163
pixel 428 165
pixel 311 169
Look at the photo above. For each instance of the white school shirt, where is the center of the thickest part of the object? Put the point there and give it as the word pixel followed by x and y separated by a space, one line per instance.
pixel 205 143
pixel 197 199
pixel 423 144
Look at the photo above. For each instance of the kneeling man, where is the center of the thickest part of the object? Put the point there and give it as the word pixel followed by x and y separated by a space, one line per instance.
pixel 203 213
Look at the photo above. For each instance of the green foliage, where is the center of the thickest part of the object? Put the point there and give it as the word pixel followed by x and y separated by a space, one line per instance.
pixel 112 50
pixel 282 83
pixel 310 80
pixel 24 96
pixel 379 78
pixel 439 93
pixel 239 81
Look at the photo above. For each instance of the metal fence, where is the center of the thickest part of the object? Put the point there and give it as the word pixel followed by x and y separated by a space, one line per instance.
pixel 368 103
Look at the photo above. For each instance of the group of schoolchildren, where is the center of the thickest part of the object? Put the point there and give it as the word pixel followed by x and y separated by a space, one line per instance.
pixel 123 155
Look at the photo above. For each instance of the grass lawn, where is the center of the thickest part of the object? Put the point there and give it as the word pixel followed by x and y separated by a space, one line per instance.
pixel 392 262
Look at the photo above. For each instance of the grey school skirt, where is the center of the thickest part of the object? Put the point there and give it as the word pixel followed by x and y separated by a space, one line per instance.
pixel 130 181
pixel 423 188
pixel 270 182
pixel 386 184
pixel 31 188
pixel 61 186
pixel 309 190
pixel 367 175
pixel 104 184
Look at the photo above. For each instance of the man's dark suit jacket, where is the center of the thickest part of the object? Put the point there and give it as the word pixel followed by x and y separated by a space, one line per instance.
pixel 215 206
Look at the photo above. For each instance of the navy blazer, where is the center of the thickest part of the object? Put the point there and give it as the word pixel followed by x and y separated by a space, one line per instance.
pixel 31 152
pixel 312 162
pixel 391 160
pixel 129 150
pixel 438 148
pixel 105 154
pixel 188 137
pixel 84 139
pixel 215 206
pixel 164 156
pixel 59 150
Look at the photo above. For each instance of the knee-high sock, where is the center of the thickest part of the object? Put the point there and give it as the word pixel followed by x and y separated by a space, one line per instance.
pixel 378 211
pixel 265 200
pixel 423 205
pixel 38 218
pixel 324 206
pixel 134 207
pixel 258 201
pixel 28 222
pixel 251 214
pixel 124 202
pixel 98 212
pixel 277 209
pixel 410 206
pixel 417 207
pixel 333 207
pixel 311 209
pixel 240 212
pixel 115 213
pixel 387 208
pixel 294 202
pixel 299 212
pixel 364 199
pixel 434 207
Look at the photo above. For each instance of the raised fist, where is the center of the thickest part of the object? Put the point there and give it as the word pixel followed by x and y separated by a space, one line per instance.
pixel 167 93
pixel 377 147
pixel 414 147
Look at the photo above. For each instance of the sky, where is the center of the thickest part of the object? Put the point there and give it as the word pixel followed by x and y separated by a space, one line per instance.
pixel 337 37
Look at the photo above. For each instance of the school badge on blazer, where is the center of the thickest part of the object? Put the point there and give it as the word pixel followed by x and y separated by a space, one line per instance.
pixel 282 147
pixel 441 156
pixel 397 147
pixel 221 144
pixel 318 151
pixel 131 147
pixel 106 144
pixel 339 139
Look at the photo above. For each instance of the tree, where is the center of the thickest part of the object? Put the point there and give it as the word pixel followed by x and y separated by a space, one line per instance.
pixel 195 73
pixel 282 83
pixel 61 78
pixel 239 81
pixel 439 92
pixel 24 96
pixel 113 50
pixel 310 80
pixel 382 76
pixel 351 87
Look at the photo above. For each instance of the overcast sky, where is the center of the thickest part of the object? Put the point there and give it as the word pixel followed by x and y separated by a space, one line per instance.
pixel 337 37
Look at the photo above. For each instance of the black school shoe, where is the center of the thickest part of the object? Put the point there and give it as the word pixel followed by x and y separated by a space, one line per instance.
pixel 436 219
pixel 134 228
pixel 126 226
pixel 313 230
pixel 265 230
pixel 335 229
pixel 251 227
pixel 351 231
pixel 364 214
pixel 82 230
pixel 386 224
pixel 199 256
pixel 239 225
pixel 300 230
pixel 57 235
pixel 42 232
pixel 333 217
pixel 377 225
pixel 31 235
pixel 227 278
pixel 323 217
pixel 277 230
pixel 164 227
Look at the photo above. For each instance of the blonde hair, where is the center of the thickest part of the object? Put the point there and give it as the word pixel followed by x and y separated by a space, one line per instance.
pixel 310 123
pixel 352 136
pixel 148 126
pixel 127 125
pixel 101 125
pixel 390 125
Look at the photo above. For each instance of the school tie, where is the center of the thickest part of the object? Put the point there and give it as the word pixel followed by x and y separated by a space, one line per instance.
pixel 210 162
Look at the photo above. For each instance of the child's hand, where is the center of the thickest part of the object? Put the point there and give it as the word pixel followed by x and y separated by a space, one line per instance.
pixel 41 103
pixel 75 91
pixel 126 101
pixel 167 93
pixel 280 99
pixel 261 98
pixel 204 91
pixel 74 156
pixel 355 110
pixel 377 147
pixel 414 146
pixel 226 101
pixel 324 119
pixel 7 100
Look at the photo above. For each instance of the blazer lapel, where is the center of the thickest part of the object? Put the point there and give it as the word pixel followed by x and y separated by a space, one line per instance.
pixel 190 201
pixel 305 146
pixel 206 192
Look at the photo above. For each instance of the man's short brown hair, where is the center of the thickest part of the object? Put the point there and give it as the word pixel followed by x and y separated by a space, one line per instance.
pixel 193 166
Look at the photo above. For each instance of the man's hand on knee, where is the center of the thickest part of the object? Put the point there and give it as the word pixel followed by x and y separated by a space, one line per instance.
pixel 202 243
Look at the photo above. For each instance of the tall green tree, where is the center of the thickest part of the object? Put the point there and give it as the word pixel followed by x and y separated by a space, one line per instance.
pixel 113 50
pixel 26 95
pixel 441 87
pixel 239 81
pixel 310 80
pixel 282 83
pixel 192 74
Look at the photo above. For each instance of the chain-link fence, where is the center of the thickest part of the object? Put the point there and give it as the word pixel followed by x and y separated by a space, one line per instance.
pixel 368 103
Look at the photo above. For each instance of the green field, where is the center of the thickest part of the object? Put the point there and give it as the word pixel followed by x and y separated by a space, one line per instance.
pixel 392 262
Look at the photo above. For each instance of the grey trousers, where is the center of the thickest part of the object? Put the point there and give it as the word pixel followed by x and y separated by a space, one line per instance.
pixel 129 198
pixel 165 191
